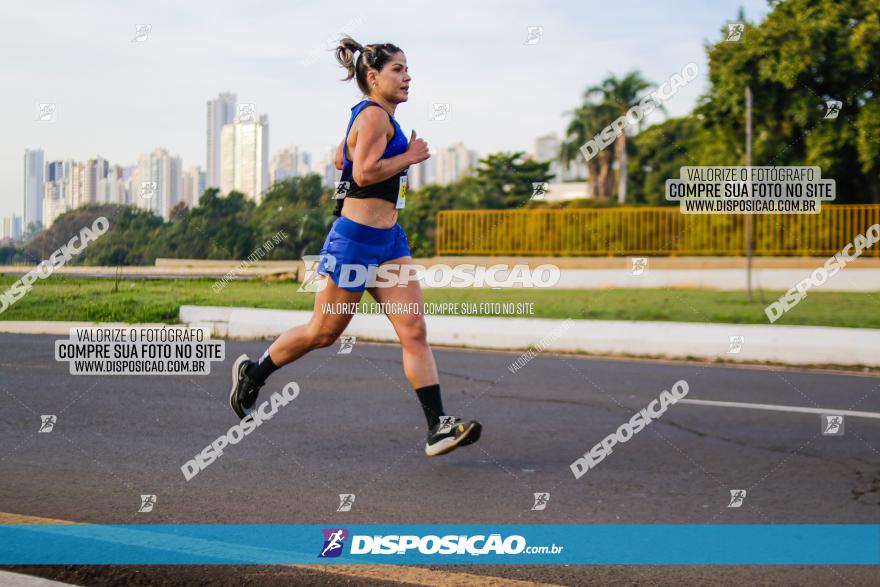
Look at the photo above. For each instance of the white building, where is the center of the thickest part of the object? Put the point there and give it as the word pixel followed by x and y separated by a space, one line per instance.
pixel 73 192
pixel 193 186
pixel 133 187
pixel 54 204
pixel 221 111
pixel 245 158
pixel 68 191
pixel 330 176
pixel 11 228
pixel 95 170
pixel 115 190
pixel 33 186
pixel 566 190
pixel 54 171
pixel 285 163
pixel 454 163
pixel 305 163
pixel 421 174
pixel 55 192
pixel 159 182
pixel 547 149
pixel 111 189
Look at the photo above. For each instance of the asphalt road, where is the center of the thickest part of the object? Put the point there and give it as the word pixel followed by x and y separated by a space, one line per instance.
pixel 356 427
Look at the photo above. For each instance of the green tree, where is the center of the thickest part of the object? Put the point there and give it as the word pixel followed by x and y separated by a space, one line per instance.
pixel 508 178
pixel 130 231
pixel 300 207
pixel 218 228
pixel 11 254
pixel 659 153
pixel 802 55
pixel 31 230
pixel 419 220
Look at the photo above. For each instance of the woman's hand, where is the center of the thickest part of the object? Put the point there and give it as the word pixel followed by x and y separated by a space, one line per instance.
pixel 417 150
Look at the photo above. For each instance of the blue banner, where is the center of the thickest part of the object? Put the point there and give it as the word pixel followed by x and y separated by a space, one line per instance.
pixel 486 544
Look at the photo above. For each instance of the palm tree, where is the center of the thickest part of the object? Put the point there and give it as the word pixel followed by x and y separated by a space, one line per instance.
pixel 587 121
pixel 619 95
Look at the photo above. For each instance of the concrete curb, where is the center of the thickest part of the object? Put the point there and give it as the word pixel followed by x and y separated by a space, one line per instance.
pixel 63 328
pixel 659 274
pixel 792 345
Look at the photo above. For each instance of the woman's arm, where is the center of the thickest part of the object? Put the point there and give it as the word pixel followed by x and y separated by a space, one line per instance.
pixel 369 167
pixel 338 160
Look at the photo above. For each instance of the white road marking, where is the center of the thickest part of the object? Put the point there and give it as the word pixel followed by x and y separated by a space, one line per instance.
pixel 775 408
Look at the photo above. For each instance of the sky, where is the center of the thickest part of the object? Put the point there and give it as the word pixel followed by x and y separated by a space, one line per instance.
pixel 118 98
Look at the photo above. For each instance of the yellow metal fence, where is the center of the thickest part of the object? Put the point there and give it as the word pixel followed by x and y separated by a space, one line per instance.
pixel 649 231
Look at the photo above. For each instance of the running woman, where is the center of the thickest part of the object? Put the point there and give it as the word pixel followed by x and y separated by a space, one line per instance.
pixel 374 158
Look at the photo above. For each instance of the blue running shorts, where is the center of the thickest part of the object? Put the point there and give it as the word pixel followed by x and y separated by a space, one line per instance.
pixel 351 249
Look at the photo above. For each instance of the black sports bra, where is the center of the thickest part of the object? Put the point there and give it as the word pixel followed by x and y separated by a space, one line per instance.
pixel 392 189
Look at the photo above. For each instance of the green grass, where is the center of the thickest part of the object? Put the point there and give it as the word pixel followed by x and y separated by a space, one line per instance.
pixel 158 300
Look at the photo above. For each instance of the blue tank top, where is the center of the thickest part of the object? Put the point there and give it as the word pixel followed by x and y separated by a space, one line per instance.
pixel 385 190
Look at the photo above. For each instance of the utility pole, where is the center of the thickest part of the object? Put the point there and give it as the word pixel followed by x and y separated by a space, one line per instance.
pixel 749 171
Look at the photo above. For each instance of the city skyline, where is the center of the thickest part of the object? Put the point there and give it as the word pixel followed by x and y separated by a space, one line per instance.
pixel 238 150
pixel 126 93
pixel 158 182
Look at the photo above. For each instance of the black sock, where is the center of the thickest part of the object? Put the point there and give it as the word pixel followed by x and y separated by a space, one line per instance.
pixel 432 404
pixel 260 370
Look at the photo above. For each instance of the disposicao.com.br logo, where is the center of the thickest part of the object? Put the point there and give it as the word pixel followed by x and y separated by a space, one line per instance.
pixel 451 544
pixel 334 541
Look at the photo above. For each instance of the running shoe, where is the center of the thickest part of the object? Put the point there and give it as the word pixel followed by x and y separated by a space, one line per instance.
pixel 449 434
pixel 244 389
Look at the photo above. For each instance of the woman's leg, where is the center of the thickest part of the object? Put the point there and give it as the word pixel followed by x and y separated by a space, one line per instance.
pixel 444 433
pixel 322 330
pixel 418 359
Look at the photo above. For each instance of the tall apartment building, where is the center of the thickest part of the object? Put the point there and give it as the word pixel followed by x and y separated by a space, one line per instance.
pixel 11 228
pixel 54 171
pixel 327 168
pixel 112 188
pixel 245 158
pixel 304 166
pixel 75 194
pixel 193 186
pixel 95 170
pixel 421 174
pixel 284 164
pixel 221 111
pixel 55 191
pixel 33 186
pixel 54 204
pixel 454 163
pixel 157 182
pixel 547 149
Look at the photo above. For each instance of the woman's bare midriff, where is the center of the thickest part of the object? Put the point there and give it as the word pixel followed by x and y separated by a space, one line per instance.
pixel 370 211
pixel 373 212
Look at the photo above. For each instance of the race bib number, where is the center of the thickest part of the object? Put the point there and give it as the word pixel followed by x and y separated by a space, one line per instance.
pixel 401 193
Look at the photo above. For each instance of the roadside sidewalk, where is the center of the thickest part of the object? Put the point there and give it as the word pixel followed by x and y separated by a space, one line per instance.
pixel 793 345
pixel 746 343
pixel 718 273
